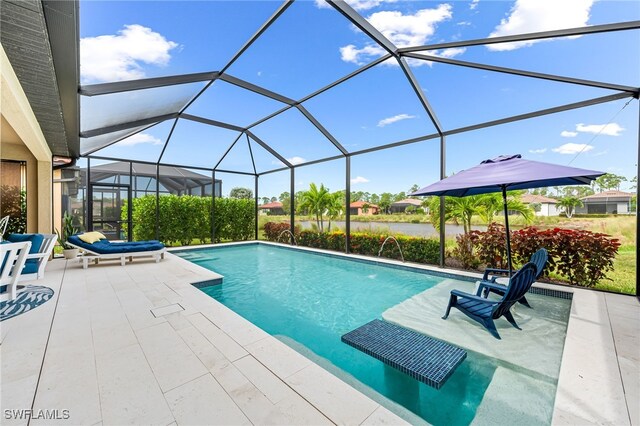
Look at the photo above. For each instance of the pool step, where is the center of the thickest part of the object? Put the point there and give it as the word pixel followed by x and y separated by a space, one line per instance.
pixel 424 358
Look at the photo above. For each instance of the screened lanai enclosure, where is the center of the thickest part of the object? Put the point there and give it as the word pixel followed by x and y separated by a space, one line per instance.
pixel 113 185
pixel 198 120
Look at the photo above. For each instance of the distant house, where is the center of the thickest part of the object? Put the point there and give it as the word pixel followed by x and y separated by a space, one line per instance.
pixel 362 208
pixel 401 206
pixel 548 206
pixel 274 208
pixel 607 202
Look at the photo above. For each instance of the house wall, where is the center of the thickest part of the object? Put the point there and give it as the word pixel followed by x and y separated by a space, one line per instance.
pixel 548 209
pixel 403 207
pixel 623 208
pixel 21 139
pixel 581 210
pixel 358 211
pixel 611 207
pixel 370 211
pixel 544 210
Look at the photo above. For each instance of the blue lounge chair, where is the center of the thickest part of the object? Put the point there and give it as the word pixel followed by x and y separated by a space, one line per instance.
pixel 104 249
pixel 489 285
pixel 485 310
pixel 39 254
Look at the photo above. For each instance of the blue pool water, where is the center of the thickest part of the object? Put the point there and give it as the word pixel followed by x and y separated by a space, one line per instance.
pixel 309 301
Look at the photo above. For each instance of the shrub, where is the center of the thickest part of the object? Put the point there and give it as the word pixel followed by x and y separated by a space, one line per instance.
pixel 491 245
pixel 13 203
pixel 234 219
pixel 464 251
pixel 421 250
pixel 414 249
pixel 277 231
pixel 581 257
pixel 186 218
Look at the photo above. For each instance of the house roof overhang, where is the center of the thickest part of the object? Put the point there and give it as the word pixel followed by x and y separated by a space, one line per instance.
pixel 40 39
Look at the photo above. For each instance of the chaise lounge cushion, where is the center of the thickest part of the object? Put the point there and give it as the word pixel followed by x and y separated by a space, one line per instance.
pixel 91 237
pixel 35 240
pixel 30 265
pixel 107 247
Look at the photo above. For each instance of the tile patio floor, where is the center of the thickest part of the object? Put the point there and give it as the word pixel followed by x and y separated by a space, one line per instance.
pixel 139 345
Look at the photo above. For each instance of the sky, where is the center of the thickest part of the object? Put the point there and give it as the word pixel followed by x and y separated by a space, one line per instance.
pixel 312 45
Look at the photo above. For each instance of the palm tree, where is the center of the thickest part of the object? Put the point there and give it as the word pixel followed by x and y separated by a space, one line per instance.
pixel 484 205
pixel 463 208
pixel 315 201
pixel 492 204
pixel 568 204
pixel 456 208
pixel 334 206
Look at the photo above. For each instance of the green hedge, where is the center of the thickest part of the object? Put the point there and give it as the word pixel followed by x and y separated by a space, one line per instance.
pixel 235 219
pixel 414 249
pixel 186 218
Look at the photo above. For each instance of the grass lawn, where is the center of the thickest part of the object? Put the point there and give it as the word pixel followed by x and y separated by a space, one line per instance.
pixel 623 277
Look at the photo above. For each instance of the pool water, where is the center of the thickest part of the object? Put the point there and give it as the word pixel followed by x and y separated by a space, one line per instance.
pixel 309 301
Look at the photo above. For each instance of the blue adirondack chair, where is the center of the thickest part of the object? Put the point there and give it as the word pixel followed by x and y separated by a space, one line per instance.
pixel 485 310
pixel 489 285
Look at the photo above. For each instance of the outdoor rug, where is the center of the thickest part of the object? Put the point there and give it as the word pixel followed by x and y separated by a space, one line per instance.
pixel 30 298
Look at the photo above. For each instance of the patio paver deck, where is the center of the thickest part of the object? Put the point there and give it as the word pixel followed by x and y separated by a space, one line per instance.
pixel 97 350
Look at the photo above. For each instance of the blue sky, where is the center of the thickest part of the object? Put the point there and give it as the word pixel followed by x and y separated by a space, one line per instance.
pixel 312 45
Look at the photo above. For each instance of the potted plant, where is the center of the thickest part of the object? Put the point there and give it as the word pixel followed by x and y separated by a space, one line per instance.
pixel 67 230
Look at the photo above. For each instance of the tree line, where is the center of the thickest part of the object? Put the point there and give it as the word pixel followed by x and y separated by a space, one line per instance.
pixel 327 206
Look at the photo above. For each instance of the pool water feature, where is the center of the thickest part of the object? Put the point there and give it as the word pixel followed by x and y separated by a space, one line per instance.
pixel 310 300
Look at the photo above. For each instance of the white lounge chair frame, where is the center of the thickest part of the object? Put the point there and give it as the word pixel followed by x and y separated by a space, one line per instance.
pixel 4 222
pixel 43 255
pixel 16 256
pixel 92 256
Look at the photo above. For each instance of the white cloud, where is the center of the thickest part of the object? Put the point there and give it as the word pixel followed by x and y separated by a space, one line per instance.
pixel 259 73
pixel 356 4
pixel 359 179
pixel 121 56
pixel 296 160
pixel 451 52
pixel 410 30
pixel 568 134
pixel 611 129
pixel 464 23
pixel 529 16
pixel 395 118
pixel 351 53
pixel 474 4
pixel 572 148
pixel 402 30
pixel 598 154
pixel 538 151
pixel 293 160
pixel 140 138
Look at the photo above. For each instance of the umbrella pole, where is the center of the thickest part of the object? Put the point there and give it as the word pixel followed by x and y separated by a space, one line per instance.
pixel 506 223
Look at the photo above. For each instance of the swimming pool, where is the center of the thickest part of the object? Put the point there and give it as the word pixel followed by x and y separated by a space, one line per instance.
pixel 309 301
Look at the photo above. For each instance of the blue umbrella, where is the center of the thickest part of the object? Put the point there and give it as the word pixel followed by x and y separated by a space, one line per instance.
pixel 508 172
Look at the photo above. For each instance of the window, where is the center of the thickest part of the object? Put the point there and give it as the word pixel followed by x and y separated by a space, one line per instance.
pixel 13 195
